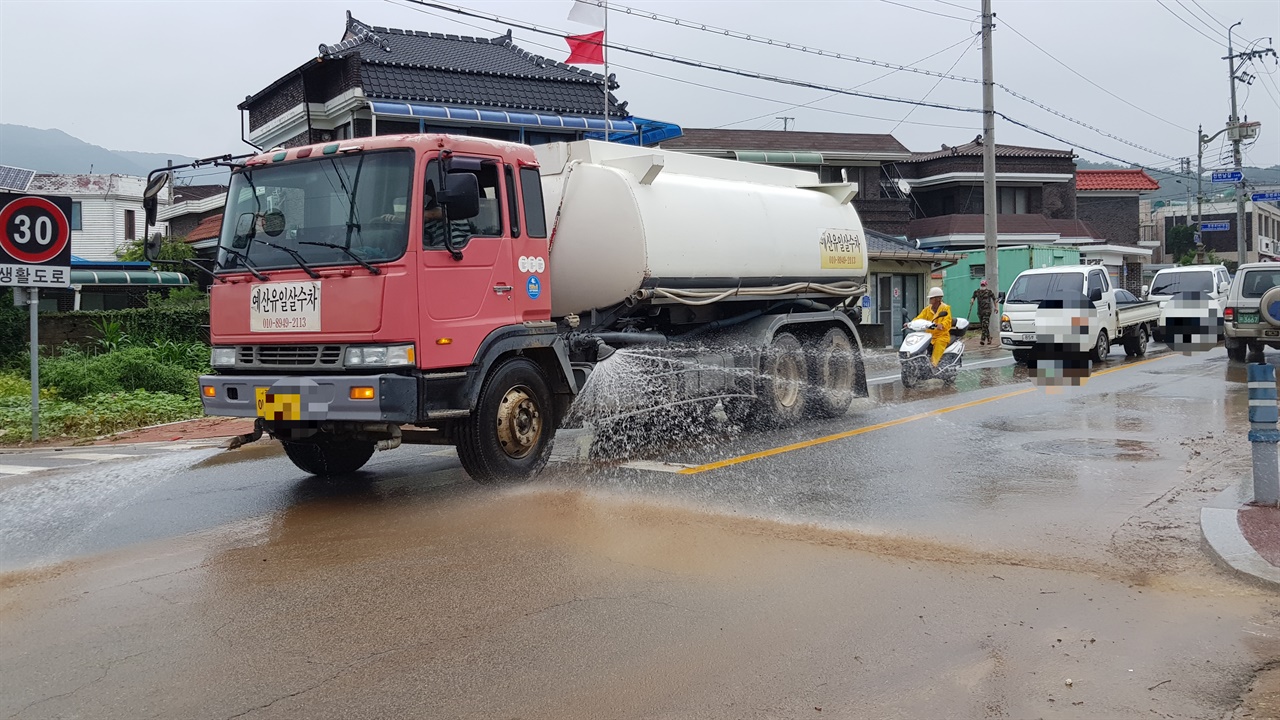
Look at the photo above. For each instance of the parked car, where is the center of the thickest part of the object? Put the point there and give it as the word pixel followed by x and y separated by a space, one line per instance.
pixel 1121 317
pixel 1252 315
pixel 1212 281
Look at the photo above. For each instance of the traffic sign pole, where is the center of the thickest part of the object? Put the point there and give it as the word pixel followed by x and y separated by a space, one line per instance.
pixel 33 299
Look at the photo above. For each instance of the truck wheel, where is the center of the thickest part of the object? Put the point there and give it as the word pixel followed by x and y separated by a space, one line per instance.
pixel 1103 347
pixel 1236 350
pixel 329 456
pixel 833 368
pixel 508 436
pixel 784 378
pixel 1136 344
pixel 1021 356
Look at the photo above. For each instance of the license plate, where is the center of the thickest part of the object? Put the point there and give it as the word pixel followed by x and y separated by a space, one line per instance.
pixel 285 307
pixel 1248 318
pixel 1028 337
pixel 278 406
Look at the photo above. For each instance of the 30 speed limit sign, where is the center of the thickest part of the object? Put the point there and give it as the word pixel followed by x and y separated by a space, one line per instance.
pixel 35 240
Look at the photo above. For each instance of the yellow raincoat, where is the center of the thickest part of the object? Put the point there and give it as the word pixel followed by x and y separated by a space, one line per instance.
pixel 942 335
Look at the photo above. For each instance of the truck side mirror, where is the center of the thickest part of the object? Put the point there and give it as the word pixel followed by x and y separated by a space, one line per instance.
pixel 1146 290
pixel 1095 295
pixel 151 196
pixel 151 247
pixel 1000 298
pixel 461 196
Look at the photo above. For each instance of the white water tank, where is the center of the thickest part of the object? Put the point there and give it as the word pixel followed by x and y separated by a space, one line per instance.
pixel 627 218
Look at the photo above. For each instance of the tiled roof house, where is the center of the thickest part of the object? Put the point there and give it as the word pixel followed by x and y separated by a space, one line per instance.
pixel 379 81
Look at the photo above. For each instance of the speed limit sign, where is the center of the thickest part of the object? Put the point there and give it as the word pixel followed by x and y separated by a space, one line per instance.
pixel 35 240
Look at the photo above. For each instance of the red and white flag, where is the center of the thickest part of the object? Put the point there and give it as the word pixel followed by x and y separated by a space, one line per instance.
pixel 587 49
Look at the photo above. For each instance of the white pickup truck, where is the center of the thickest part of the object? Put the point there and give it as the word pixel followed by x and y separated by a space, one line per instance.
pixel 1121 317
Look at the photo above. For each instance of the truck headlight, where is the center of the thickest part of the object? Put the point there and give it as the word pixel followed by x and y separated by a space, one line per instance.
pixel 1005 325
pixel 379 355
pixel 221 357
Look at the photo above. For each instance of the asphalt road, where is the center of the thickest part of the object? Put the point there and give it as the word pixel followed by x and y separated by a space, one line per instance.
pixel 989 550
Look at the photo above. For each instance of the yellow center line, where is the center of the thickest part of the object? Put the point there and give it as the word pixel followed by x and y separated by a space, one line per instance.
pixel 879 426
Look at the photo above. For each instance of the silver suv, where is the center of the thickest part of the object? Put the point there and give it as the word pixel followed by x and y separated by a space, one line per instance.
pixel 1252 314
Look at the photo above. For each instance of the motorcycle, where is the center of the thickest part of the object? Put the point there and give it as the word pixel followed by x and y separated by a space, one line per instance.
pixel 916 353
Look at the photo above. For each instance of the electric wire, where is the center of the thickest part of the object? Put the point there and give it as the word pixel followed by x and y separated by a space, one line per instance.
pixel 930 12
pixel 1200 20
pixel 1184 22
pixel 1210 15
pixel 782 80
pixel 936 83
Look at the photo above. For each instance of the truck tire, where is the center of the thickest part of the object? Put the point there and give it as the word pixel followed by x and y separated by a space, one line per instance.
pixel 329 456
pixel 783 393
pixel 1236 349
pixel 1102 348
pixel 508 435
pixel 833 369
pixel 1135 344
pixel 1021 356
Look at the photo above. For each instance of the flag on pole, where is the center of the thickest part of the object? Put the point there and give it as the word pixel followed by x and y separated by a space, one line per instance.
pixel 587 12
pixel 586 49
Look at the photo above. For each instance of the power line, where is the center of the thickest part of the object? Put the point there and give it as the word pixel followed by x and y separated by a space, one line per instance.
pixel 1209 15
pixel 930 12
pixel 937 83
pixel 704 85
pixel 954 5
pixel 1073 71
pixel 645 14
pixel 778 79
pixel 811 103
pixel 1200 20
pixel 1184 22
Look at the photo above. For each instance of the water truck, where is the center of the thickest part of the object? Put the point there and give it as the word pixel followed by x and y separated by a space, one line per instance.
pixel 460 291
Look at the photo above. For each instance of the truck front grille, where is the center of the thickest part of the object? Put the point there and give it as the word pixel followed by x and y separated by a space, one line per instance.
pixel 292 356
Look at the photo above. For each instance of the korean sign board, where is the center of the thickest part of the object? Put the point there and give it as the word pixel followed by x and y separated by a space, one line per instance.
pixel 1225 176
pixel 35 241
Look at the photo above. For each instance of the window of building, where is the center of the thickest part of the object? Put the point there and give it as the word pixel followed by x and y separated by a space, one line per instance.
pixel 130 232
pixel 1013 200
pixel 396 127
pixel 535 217
pixel 75 216
pixel 978 271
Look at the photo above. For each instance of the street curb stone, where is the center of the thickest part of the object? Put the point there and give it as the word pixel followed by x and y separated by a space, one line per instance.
pixel 1220 527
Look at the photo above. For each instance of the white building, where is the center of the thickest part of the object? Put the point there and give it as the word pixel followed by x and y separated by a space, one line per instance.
pixel 1262 222
pixel 106 210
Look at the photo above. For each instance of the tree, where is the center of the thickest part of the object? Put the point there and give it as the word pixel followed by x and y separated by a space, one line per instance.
pixel 173 248
pixel 1180 240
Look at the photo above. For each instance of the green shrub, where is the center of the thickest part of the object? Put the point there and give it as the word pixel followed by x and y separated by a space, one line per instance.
pixel 183 298
pixel 76 375
pixel 14 386
pixel 98 414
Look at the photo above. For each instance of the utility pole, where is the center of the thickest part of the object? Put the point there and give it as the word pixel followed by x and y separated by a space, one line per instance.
pixel 989 168
pixel 1241 255
pixel 785 122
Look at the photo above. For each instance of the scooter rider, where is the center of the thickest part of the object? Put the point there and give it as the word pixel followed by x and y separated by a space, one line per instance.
pixel 938 313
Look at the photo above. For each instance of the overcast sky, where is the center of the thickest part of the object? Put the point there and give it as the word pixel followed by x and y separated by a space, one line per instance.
pixel 166 76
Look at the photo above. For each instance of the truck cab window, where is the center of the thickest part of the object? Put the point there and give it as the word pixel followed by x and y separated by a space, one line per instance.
pixel 535 217
pixel 488 223
pixel 1096 283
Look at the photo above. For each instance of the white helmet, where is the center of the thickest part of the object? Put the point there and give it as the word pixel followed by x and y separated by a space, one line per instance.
pixel 935 293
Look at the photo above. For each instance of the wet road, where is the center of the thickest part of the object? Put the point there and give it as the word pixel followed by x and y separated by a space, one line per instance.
pixel 939 552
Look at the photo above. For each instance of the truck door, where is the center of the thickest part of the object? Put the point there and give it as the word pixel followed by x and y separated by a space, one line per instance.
pixel 1104 301
pixel 529 243
pixel 463 299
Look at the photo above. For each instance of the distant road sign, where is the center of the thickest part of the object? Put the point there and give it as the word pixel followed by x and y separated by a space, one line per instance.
pixel 1213 226
pixel 1271 196
pixel 35 241
pixel 1224 176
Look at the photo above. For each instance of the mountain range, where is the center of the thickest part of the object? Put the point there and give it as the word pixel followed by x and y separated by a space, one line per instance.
pixel 54 151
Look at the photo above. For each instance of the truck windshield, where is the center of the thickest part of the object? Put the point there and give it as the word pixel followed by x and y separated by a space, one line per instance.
pixel 1035 289
pixel 325 210
pixel 1173 283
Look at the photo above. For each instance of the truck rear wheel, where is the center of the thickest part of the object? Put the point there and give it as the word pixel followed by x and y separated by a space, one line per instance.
pixel 833 370
pixel 508 436
pixel 1136 343
pixel 328 455
pixel 784 378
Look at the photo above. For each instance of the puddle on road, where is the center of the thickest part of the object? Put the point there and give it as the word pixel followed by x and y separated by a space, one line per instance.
pixel 1114 449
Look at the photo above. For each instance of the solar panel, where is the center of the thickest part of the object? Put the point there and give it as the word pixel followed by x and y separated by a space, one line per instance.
pixel 15 179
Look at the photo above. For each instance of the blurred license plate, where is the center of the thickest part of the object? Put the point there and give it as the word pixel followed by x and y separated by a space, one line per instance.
pixel 1028 337
pixel 1248 318
pixel 278 406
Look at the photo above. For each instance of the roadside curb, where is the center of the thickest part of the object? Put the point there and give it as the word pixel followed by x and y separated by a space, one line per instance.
pixel 1220 527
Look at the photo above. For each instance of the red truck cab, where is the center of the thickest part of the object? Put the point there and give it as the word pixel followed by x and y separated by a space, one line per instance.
pixel 372 283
